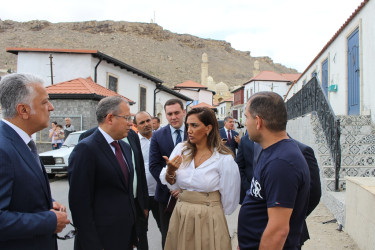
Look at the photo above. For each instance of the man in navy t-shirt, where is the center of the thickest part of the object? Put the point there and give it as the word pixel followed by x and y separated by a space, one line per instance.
pixel 274 208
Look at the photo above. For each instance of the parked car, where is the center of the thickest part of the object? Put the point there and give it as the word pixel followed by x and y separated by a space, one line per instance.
pixel 56 161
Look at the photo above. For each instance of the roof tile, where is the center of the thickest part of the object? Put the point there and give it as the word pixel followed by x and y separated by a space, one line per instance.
pixel 82 86
pixel 190 84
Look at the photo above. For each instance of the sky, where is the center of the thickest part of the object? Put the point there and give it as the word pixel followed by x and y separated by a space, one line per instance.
pixel 290 32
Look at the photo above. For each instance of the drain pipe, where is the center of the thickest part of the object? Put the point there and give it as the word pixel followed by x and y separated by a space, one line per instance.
pixel 157 90
pixel 96 69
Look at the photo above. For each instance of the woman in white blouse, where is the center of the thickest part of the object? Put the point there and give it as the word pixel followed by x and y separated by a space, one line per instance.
pixel 203 168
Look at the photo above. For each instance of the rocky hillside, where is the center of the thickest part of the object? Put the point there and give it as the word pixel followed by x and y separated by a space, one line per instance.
pixel 171 57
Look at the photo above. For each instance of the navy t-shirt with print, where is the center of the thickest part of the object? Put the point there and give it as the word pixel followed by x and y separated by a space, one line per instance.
pixel 281 179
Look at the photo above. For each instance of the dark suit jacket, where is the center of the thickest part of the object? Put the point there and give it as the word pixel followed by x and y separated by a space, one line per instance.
pixel 244 159
pixel 101 203
pixel 161 145
pixel 233 144
pixel 315 187
pixel 87 133
pixel 142 190
pixel 25 197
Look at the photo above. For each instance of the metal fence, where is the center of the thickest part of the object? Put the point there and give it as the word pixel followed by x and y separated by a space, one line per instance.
pixel 312 98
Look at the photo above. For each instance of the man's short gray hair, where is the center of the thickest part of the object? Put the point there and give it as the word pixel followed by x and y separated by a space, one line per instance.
pixel 107 106
pixel 16 89
pixel 228 118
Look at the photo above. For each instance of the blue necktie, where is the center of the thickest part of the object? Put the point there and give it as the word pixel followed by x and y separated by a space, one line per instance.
pixel 178 139
pixel 34 151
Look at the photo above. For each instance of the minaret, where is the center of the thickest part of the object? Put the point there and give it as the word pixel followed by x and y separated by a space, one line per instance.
pixel 204 69
pixel 256 68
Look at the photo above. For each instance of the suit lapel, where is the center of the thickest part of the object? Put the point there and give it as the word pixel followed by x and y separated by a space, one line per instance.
pixel 24 152
pixel 107 151
pixel 168 137
pixel 126 151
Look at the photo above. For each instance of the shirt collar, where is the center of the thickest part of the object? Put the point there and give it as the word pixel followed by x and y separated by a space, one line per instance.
pixel 107 137
pixel 24 136
pixel 142 137
pixel 182 128
pixel 226 130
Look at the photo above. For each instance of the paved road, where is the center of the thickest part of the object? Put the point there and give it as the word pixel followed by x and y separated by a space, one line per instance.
pixel 60 189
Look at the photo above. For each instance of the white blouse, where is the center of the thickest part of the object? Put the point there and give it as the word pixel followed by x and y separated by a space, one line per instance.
pixel 219 172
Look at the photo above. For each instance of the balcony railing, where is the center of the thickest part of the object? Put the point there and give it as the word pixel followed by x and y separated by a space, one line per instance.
pixel 312 98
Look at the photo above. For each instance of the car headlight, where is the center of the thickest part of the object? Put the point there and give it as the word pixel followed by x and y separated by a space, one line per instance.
pixel 59 160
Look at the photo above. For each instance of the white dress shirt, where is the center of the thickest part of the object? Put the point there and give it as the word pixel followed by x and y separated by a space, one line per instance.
pixel 219 172
pixel 151 182
pixel 174 135
pixel 24 136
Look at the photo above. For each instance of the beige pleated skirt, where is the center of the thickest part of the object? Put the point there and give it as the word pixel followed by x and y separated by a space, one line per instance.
pixel 198 223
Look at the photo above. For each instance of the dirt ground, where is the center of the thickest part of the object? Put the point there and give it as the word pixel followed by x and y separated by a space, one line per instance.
pixel 326 236
pixel 322 236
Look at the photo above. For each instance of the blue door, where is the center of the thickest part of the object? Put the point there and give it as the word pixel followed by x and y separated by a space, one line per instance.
pixel 353 74
pixel 325 77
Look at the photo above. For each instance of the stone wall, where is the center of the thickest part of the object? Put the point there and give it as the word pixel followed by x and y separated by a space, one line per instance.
pixel 81 112
pixel 360 217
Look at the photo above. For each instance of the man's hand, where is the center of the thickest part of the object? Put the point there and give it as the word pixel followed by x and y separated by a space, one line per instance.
pixel 146 213
pixel 58 206
pixel 175 193
pixel 62 220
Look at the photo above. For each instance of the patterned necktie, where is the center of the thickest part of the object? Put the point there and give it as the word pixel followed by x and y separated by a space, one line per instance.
pixel 34 151
pixel 178 139
pixel 229 139
pixel 121 160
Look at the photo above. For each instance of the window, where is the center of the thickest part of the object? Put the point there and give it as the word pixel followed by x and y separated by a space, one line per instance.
pixel 112 82
pixel 142 98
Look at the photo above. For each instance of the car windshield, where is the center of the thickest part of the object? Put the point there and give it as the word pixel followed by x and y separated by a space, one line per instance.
pixel 71 140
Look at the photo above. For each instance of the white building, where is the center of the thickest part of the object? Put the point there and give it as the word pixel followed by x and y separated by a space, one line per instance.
pixel 345 65
pixel 269 81
pixel 195 91
pixel 61 65
pixel 224 108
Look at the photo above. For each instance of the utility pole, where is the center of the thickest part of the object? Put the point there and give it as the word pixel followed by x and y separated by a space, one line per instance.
pixel 51 63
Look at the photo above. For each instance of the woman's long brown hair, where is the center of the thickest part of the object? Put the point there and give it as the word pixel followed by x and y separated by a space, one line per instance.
pixel 207 117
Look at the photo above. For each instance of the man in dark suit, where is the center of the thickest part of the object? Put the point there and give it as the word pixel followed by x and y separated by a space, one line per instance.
pixel 29 217
pixel 139 185
pixel 162 144
pixel 101 174
pixel 315 187
pixel 228 134
pixel 244 160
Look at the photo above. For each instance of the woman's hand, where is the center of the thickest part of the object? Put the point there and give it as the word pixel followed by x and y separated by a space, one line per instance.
pixel 173 164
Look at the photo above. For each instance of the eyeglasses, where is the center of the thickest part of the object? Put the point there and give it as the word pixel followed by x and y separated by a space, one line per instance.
pixel 127 118
pixel 69 235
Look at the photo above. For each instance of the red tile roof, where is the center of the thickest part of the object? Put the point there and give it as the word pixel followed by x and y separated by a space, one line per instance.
pixel 230 99
pixel 190 84
pixel 273 76
pixel 291 77
pixel 82 86
pixel 203 104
